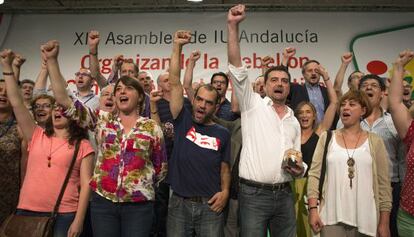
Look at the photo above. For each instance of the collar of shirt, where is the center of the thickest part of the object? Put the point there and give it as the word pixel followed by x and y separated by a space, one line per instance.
pixel 311 87
pixel 289 111
pixel 91 94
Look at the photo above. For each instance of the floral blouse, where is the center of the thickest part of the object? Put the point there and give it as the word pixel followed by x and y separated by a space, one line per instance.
pixel 128 165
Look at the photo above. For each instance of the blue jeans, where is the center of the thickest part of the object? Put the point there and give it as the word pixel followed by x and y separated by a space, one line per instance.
pixel 261 208
pixel 62 223
pixel 187 218
pixel 111 219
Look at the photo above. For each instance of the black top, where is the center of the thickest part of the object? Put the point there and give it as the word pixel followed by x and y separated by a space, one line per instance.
pixel 308 148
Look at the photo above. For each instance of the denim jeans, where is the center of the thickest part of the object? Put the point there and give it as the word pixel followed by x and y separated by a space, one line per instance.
pixel 261 208
pixel 111 219
pixel 62 223
pixel 187 218
pixel 159 225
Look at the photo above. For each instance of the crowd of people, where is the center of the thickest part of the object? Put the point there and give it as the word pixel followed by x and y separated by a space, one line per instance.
pixel 278 158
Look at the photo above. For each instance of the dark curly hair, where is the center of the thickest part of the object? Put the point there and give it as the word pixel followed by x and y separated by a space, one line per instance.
pixel 75 131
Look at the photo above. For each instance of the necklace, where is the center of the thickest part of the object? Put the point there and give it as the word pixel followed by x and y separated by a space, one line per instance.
pixel 49 157
pixel 351 162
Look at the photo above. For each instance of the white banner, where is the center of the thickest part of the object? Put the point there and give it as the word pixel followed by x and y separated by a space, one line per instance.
pixel 146 38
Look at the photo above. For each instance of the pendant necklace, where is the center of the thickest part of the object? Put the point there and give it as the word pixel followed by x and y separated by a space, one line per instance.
pixel 49 157
pixel 351 162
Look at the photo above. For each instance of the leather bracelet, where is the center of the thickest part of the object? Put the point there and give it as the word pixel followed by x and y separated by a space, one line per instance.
pixel 154 112
pixel 8 74
pixel 93 54
pixel 310 208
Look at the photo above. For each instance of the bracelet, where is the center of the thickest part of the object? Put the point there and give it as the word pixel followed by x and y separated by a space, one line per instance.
pixel 93 54
pixel 8 74
pixel 154 112
pixel 310 208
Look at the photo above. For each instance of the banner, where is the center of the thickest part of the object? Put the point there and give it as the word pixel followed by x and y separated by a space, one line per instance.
pixel 146 38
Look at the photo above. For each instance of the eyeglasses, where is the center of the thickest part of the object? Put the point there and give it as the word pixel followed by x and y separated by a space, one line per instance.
pixel 372 85
pixel 42 106
pixel 83 74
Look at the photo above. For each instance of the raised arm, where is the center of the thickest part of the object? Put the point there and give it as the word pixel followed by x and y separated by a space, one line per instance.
pixel 154 97
pixel 50 51
pixel 116 65
pixel 287 54
pixel 400 114
pixel 330 112
pixel 188 74
pixel 41 80
pixel 17 65
pixel 235 15
pixel 177 97
pixel 22 114
pixel 93 42
pixel 340 75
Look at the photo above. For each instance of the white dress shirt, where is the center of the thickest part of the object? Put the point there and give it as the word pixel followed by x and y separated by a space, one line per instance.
pixel 266 136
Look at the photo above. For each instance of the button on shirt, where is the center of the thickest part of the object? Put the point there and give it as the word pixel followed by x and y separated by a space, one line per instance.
pixel 316 98
pixel 384 127
pixel 265 135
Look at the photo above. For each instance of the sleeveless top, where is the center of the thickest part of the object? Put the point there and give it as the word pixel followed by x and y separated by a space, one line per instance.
pixel 308 148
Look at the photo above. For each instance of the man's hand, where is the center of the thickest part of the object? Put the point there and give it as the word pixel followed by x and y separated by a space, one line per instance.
pixel 117 62
pixel 182 37
pixel 289 52
pixel 346 58
pixel 50 50
pixel 6 57
pixel 236 14
pixel 93 41
pixel 219 201
pixel 322 72
pixel 266 61
pixel 18 60
pixel 156 95
pixel 195 55
pixel 404 57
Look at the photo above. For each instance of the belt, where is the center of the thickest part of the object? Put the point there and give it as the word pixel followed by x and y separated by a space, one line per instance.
pixel 197 199
pixel 271 187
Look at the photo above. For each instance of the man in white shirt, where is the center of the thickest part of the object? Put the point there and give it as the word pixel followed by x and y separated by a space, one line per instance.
pixel 271 128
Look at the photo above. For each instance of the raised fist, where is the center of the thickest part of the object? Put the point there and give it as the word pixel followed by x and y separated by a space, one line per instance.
pixel 266 61
pixel 18 60
pixel 156 95
pixel 93 38
pixel 182 37
pixel 118 60
pixel 236 14
pixel 50 49
pixel 289 52
pixel 346 58
pixel 195 55
pixel 6 57
pixel 405 57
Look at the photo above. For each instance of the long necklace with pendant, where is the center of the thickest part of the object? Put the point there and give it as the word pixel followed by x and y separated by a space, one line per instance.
pixel 351 162
pixel 49 157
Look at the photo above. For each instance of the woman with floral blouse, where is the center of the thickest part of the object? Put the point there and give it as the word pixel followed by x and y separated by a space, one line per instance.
pixel 131 158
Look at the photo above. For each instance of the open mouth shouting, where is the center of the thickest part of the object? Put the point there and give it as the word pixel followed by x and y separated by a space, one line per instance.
pixel 3 100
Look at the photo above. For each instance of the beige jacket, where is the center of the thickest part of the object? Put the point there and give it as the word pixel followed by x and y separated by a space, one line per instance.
pixel 381 180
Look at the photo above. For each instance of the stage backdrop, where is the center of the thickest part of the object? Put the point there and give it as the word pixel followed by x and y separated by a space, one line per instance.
pixel 375 38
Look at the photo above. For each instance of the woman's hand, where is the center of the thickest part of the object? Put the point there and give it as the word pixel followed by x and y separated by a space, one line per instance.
pixel 75 228
pixel 315 221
